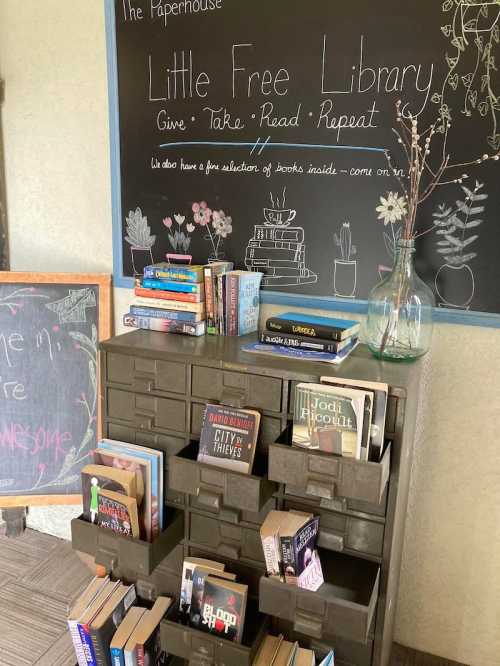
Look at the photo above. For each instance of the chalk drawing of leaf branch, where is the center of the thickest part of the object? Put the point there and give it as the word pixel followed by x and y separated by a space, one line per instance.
pixel 14 301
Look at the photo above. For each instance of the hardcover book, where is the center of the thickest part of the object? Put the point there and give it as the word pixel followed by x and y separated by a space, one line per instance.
pixel 304 342
pixel 123 633
pixel 156 459
pixel 99 477
pixel 229 437
pixel 159 313
pixel 313 326
pixel 118 513
pixel 200 575
pixel 380 391
pixel 190 564
pixel 246 285
pixel 104 625
pixel 329 419
pixel 165 325
pixel 166 271
pixel 224 605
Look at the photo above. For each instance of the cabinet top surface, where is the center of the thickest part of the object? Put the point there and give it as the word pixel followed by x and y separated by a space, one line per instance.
pixel 226 353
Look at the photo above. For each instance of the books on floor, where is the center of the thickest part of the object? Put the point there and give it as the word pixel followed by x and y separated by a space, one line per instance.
pixel 333 419
pixel 229 437
pixel 289 545
pixel 306 337
pixel 211 599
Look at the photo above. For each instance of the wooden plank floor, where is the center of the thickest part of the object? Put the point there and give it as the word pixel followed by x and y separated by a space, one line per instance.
pixel 40 576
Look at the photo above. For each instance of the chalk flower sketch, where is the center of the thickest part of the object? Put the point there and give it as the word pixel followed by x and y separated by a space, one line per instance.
pixel 345 269
pixel 216 224
pixel 474 34
pixel 392 210
pixel 72 309
pixel 178 238
pixel 140 239
pixel 452 226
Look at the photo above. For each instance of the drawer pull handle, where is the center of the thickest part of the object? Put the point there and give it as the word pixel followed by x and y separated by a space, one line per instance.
pixel 331 541
pixel 143 384
pixel 142 421
pixel 234 397
pixel 310 626
pixel 229 550
pixel 107 559
pixel 209 498
pixel 320 489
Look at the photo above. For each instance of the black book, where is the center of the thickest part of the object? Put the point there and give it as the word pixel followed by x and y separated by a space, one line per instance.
pixel 200 575
pixel 304 342
pixel 228 437
pixel 300 559
pixel 105 624
pixel 223 611
pixel 313 326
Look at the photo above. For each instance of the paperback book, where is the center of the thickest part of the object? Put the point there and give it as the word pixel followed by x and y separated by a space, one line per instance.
pixel 168 305
pixel 299 354
pixel 224 605
pixel 301 563
pixel 105 624
pixel 188 569
pixel 211 271
pixel 242 302
pixel 81 605
pixel 123 633
pixel 304 342
pixel 171 296
pixel 99 477
pixel 165 324
pixel 118 513
pixel 313 326
pixel 173 286
pixel 166 271
pixel 89 615
pixel 229 437
pixel 200 574
pixel 159 313
pixel 143 647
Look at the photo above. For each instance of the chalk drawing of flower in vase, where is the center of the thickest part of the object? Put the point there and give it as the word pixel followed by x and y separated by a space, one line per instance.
pixel 217 224
pixel 345 268
pixel 473 32
pixel 454 281
pixel 391 211
pixel 179 238
pixel 140 240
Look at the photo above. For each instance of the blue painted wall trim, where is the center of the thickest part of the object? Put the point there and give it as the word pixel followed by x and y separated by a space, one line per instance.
pixel 441 315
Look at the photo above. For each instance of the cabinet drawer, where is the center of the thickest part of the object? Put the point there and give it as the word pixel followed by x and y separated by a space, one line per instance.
pixel 146 411
pixel 328 476
pixel 245 516
pixel 269 431
pixel 145 375
pixel 342 532
pixel 169 444
pixel 198 647
pixel 250 574
pixel 237 389
pixel 344 605
pixel 123 556
pixel 231 541
pixel 165 579
pixel 225 492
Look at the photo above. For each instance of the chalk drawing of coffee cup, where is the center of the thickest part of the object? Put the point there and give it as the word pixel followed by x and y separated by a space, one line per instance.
pixel 280 217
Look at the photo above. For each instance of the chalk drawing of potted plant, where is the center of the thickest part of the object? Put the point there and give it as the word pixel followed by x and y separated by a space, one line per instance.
pixel 454 280
pixel 179 239
pixel 222 227
pixel 345 269
pixel 140 240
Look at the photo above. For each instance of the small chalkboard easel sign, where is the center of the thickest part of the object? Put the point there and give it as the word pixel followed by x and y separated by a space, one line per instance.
pixel 50 328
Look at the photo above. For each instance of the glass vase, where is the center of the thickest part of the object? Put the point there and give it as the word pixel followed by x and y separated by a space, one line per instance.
pixel 399 323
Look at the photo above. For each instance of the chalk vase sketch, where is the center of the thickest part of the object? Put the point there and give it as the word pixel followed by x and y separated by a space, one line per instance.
pixel 399 322
pixel 455 286
pixel 345 269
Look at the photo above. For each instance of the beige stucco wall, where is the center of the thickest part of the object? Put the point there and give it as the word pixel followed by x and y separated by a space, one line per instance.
pixel 52 55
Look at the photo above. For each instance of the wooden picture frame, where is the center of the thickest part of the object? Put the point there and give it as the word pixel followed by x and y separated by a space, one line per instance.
pixel 103 282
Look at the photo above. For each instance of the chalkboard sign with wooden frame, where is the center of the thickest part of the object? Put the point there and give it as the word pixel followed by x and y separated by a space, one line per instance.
pixel 50 328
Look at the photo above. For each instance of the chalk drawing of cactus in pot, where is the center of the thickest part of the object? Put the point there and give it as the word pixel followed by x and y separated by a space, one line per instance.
pixel 140 240
pixel 454 280
pixel 345 269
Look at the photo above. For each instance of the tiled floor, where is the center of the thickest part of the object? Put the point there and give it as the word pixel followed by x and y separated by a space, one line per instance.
pixel 40 576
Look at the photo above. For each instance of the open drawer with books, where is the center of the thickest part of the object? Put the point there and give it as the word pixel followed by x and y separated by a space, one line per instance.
pixel 327 475
pixel 224 492
pixel 343 606
pixel 122 555
pixel 196 646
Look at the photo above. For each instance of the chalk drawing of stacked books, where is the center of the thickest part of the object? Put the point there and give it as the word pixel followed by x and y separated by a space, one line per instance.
pixel 278 249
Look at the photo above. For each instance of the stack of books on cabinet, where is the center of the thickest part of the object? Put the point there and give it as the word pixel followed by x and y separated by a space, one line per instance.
pixel 154 390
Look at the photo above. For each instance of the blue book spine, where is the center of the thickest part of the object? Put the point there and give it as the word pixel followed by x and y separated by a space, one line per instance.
pixel 249 303
pixel 139 311
pixel 169 285
pixel 341 324
pixel 88 648
pixel 174 273
pixel 117 657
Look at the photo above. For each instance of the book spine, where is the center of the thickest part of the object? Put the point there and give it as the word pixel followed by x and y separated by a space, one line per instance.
pixel 171 285
pixel 140 655
pixel 288 558
pixel 130 659
pixel 100 650
pixel 154 302
pixel 88 649
pixel 77 642
pixel 232 286
pixel 117 658
pixel 168 295
pixel 209 300
pixel 220 303
pixel 297 342
pixel 164 325
pixel 270 546
pixel 302 328
pixel 139 311
pixel 177 273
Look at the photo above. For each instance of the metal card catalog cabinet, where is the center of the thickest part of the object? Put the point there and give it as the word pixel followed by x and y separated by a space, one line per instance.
pixel 155 387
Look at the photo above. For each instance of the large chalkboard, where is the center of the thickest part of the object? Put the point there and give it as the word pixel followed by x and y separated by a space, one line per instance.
pixel 278 113
pixel 50 326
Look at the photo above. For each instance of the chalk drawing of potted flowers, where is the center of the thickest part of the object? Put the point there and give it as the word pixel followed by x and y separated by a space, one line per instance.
pixel 179 239
pixel 217 224
pixel 454 280
pixel 140 240
pixel 391 211
pixel 345 269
